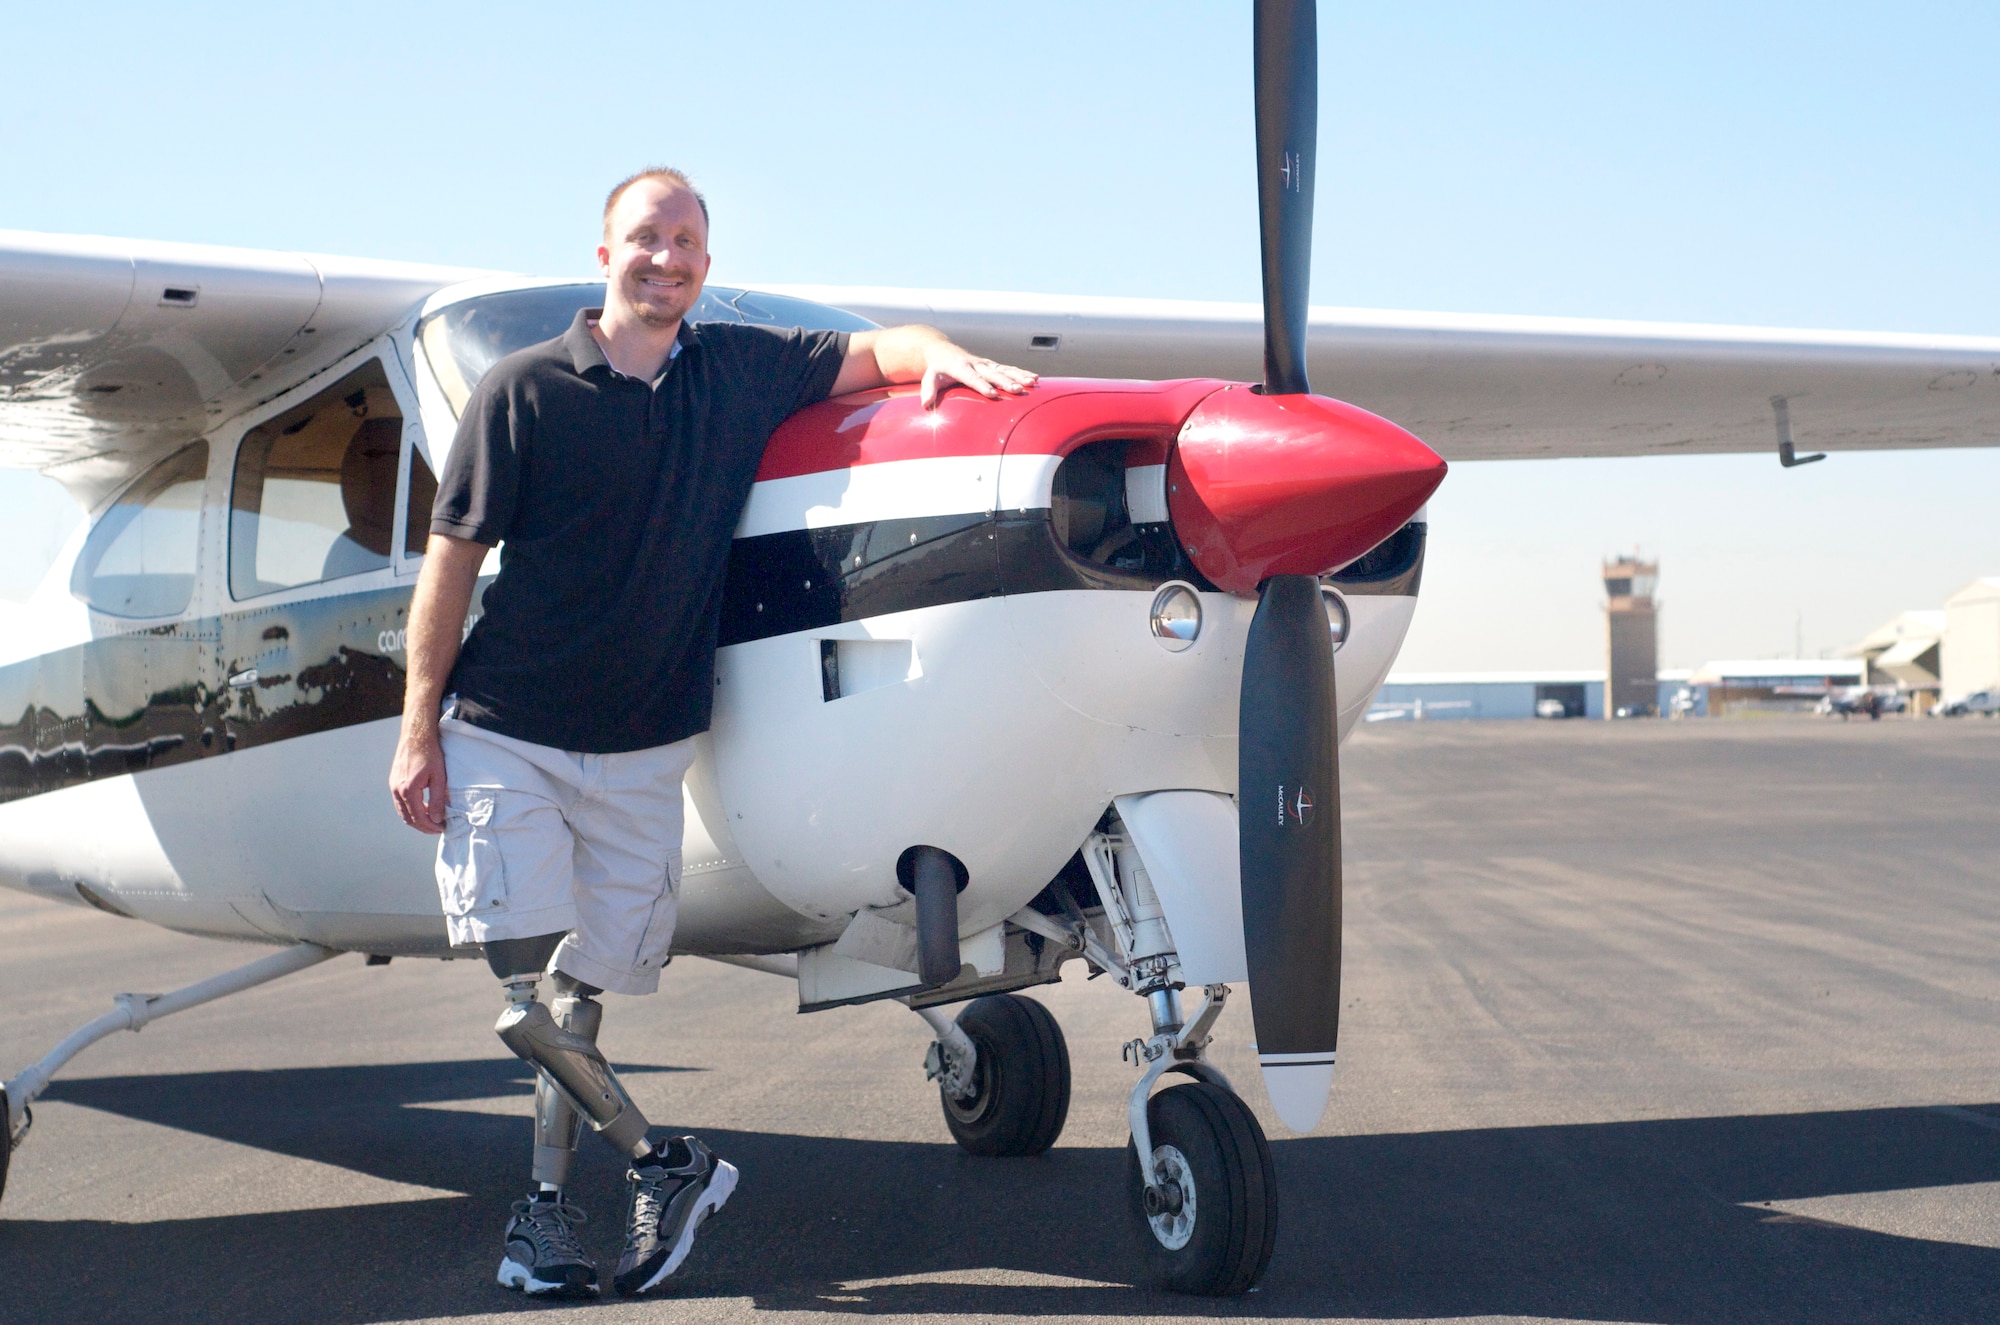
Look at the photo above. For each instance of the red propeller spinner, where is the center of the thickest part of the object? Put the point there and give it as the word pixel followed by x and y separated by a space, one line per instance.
pixel 1262 485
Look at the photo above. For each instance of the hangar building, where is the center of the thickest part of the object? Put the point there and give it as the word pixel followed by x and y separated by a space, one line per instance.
pixel 1742 685
pixel 1970 655
pixel 1426 696
pixel 1773 685
pixel 1938 654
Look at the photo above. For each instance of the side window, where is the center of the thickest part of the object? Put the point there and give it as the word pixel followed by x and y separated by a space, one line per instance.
pixel 423 495
pixel 314 495
pixel 139 561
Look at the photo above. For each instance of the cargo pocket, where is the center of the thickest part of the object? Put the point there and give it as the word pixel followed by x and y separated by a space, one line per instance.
pixel 659 935
pixel 472 879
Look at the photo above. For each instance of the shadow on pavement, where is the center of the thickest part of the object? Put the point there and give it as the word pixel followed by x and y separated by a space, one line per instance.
pixel 1632 1221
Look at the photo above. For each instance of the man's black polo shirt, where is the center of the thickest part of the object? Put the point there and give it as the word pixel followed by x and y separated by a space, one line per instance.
pixel 614 503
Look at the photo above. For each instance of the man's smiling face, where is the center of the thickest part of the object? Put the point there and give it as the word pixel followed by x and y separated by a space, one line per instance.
pixel 655 252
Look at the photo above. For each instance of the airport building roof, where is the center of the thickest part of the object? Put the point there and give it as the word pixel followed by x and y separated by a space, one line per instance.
pixel 1925 624
pixel 1986 586
pixel 1554 676
pixel 1777 671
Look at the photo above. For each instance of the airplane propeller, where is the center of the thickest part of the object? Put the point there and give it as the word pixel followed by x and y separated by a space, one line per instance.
pixel 1287 91
pixel 1288 769
pixel 1268 488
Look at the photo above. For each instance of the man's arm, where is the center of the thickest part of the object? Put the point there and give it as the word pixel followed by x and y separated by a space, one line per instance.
pixel 437 628
pixel 922 354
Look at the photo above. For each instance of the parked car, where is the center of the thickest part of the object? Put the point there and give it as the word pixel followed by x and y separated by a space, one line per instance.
pixel 1985 703
pixel 1551 708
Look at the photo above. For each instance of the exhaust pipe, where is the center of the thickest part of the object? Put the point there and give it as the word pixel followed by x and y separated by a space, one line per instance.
pixel 934 877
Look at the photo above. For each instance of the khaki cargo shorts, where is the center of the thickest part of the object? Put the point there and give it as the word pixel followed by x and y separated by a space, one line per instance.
pixel 538 841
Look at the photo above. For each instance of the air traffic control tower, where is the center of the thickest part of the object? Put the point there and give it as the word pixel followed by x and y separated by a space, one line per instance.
pixel 1632 670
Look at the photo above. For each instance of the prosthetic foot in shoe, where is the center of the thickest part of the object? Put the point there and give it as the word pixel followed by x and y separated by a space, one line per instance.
pixel 543 1256
pixel 669 1203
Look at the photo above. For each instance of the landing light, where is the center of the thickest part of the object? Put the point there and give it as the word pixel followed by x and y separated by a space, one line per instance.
pixel 1176 616
pixel 1336 615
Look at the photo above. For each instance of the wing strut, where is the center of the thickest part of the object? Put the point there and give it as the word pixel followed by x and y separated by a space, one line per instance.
pixel 132 1014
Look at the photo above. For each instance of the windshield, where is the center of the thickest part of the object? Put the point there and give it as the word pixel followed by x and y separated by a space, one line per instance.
pixel 464 340
pixel 36 519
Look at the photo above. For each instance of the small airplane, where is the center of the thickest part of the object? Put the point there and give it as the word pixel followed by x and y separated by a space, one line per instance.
pixel 1003 685
pixel 1867 701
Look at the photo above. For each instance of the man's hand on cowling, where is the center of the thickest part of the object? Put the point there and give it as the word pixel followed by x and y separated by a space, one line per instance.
pixel 946 364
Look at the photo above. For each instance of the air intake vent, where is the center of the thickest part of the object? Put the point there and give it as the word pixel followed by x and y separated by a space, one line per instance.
pixel 180 296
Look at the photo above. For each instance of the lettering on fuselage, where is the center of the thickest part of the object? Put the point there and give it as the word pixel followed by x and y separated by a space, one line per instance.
pixel 397 641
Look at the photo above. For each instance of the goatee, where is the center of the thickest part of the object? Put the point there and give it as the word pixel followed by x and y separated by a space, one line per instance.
pixel 652 307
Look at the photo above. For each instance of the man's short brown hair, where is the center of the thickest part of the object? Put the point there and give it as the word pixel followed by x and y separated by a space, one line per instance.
pixel 665 173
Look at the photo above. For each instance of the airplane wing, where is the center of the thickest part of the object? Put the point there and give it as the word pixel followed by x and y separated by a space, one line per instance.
pixel 1478 387
pixel 115 352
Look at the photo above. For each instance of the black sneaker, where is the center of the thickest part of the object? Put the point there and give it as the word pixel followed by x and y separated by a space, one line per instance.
pixel 668 1205
pixel 543 1255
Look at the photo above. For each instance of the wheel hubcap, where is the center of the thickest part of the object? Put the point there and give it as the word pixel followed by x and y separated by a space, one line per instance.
pixel 1170 1206
pixel 978 1101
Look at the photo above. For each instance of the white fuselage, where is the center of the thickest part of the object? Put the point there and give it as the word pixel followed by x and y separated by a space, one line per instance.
pixel 998 729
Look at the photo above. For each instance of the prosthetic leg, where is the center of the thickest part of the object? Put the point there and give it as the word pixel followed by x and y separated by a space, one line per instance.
pixel 573 1080
pixel 558 1126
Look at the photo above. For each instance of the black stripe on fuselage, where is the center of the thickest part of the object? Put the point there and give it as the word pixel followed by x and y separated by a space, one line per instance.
pixel 809 579
pixel 161 696
pixel 158 697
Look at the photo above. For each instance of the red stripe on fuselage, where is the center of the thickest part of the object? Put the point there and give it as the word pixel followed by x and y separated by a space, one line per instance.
pixel 1052 418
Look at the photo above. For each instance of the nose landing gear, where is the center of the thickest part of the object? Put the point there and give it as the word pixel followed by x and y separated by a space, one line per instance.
pixel 1209 1220
pixel 1203 1194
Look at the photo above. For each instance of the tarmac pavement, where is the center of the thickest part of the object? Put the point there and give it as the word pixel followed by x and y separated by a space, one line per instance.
pixel 1651 1022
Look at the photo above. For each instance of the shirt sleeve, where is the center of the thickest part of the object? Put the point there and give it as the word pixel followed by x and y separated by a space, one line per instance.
pixel 481 482
pixel 820 354
pixel 783 369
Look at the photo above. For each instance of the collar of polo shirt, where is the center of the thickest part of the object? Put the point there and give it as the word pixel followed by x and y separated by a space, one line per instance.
pixel 585 353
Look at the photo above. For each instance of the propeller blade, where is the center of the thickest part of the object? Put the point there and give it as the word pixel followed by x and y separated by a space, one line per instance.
pixel 1287 76
pixel 1288 816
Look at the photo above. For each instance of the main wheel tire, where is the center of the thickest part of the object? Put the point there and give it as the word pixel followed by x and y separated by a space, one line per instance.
pixel 1020 1079
pixel 1208 1148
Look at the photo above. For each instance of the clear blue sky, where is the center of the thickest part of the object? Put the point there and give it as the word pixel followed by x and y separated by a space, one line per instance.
pixel 1803 165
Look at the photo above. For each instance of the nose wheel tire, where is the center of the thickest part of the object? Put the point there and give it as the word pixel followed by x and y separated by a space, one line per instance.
pixel 1020 1079
pixel 1209 1226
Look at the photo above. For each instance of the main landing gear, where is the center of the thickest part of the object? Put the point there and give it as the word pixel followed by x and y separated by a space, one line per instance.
pixel 1201 1193
pixel 1012 1097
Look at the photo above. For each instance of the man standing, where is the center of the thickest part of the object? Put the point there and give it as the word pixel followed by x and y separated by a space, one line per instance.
pixel 613 463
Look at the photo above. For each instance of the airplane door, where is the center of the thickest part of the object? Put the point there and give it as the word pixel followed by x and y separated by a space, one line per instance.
pixel 316 602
